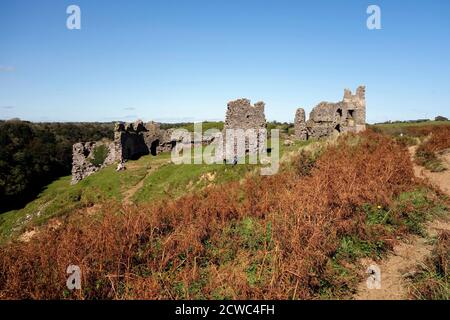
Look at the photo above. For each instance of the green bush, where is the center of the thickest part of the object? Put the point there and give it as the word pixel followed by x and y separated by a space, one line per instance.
pixel 99 155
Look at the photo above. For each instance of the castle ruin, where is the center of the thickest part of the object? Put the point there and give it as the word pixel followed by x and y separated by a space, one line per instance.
pixel 242 115
pixel 328 119
pixel 131 141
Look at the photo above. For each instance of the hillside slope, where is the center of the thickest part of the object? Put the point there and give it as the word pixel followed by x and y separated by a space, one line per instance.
pixel 145 180
pixel 296 235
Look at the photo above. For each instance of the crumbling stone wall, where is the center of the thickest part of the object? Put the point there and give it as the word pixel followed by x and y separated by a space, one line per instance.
pixel 83 155
pixel 241 114
pixel 301 132
pixel 327 119
pixel 131 141
pixel 134 140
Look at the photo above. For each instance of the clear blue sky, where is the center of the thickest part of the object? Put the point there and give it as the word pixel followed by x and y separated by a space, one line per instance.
pixel 184 60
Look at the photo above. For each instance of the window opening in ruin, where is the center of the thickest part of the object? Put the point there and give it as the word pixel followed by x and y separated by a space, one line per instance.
pixel 153 148
pixel 339 112
pixel 350 114
pixel 337 129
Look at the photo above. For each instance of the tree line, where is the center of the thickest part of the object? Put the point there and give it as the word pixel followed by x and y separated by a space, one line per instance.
pixel 34 154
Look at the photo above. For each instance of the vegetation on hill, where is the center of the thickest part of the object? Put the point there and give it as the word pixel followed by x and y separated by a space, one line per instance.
pixel 432 281
pixel 427 152
pixel 284 127
pixel 294 235
pixel 189 126
pixel 408 128
pixel 100 153
pixel 159 178
pixel 33 154
pixel 440 118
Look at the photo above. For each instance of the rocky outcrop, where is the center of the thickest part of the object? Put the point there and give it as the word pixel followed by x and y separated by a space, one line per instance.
pixel 328 119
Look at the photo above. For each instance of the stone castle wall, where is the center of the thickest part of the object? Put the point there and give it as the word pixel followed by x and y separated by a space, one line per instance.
pixel 82 156
pixel 131 141
pixel 241 114
pixel 328 119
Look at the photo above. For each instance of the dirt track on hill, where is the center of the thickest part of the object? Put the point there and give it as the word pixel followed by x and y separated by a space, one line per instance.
pixel 407 255
pixel 438 179
pixel 128 194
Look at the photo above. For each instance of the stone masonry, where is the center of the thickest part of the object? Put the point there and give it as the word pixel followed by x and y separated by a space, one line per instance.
pixel 131 141
pixel 241 114
pixel 327 119
pixel 301 132
pixel 82 156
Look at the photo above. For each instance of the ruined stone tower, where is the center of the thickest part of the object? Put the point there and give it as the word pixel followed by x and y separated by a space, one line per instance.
pixel 301 132
pixel 242 115
pixel 327 119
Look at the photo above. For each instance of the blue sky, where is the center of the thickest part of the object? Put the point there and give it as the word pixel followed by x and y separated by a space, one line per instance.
pixel 184 60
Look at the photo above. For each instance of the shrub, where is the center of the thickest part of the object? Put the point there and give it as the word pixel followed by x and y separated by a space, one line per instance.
pixel 426 153
pixel 432 281
pixel 99 155
pixel 440 118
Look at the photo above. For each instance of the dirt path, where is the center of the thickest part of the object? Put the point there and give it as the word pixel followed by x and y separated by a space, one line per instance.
pixel 128 195
pixel 406 256
pixel 130 192
pixel 438 179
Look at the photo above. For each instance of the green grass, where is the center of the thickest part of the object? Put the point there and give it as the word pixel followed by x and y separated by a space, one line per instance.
pixel 410 209
pixel 60 198
pixel 410 124
pixel 206 125
pixel 406 132
pixel 100 153
pixel 352 248
pixel 416 208
pixel 174 180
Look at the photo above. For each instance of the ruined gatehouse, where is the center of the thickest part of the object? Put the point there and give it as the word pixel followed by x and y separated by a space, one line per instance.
pixel 328 119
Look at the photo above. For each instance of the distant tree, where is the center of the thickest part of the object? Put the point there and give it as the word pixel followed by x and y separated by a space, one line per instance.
pixel 440 118
pixel 33 154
